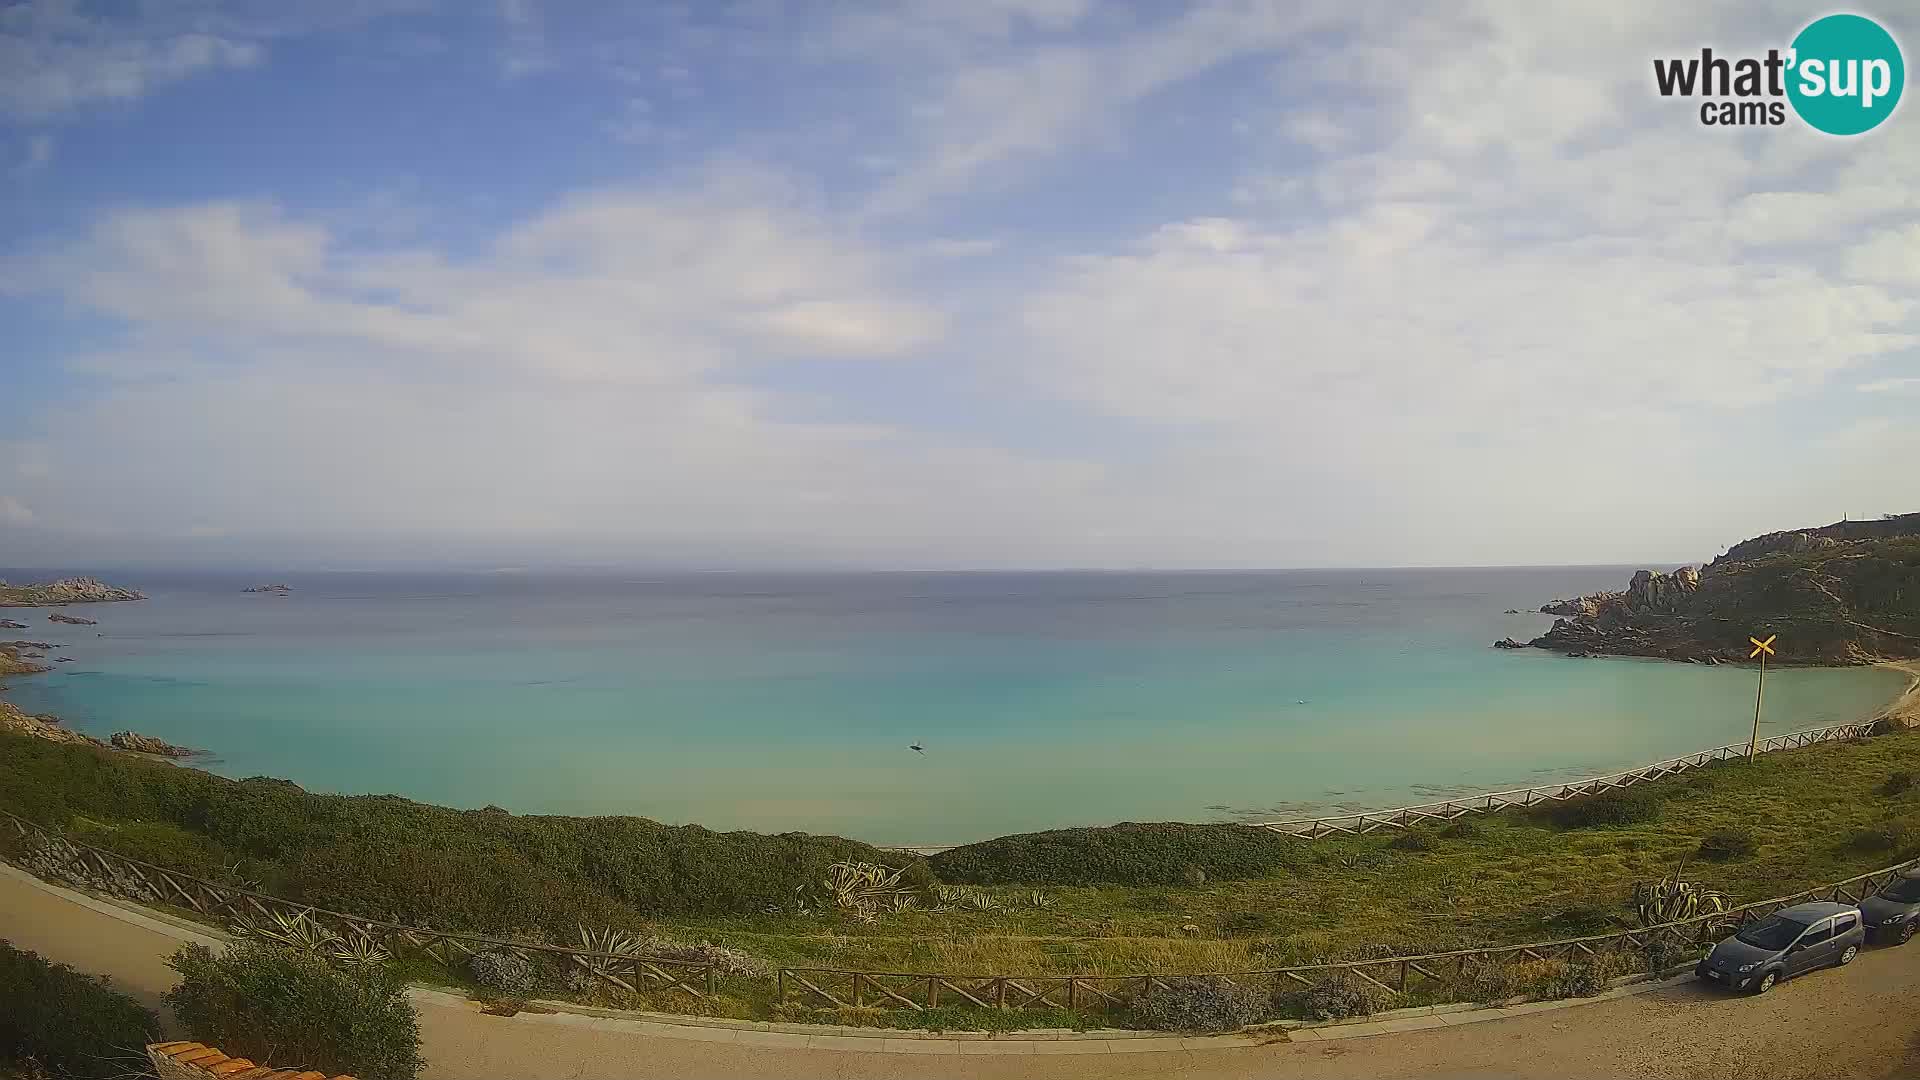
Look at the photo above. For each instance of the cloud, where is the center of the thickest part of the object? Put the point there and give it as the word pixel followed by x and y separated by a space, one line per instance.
pixel 1890 256
pixel 524 50
pixel 14 512
pixel 1890 386
pixel 56 58
pixel 39 154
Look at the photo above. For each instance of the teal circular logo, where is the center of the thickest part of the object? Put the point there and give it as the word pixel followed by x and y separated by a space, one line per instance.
pixel 1846 74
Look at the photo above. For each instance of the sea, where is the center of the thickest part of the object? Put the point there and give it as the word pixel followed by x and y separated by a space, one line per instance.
pixel 795 701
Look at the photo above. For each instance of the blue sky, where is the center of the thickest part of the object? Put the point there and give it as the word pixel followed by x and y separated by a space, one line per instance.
pixel 1004 283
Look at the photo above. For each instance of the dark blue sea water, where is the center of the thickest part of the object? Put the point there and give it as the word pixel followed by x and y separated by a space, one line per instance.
pixel 778 702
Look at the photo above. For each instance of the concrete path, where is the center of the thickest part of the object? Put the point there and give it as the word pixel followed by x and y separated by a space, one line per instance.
pixel 1857 1023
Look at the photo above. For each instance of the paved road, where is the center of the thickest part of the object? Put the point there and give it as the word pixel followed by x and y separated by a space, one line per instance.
pixel 1857 1024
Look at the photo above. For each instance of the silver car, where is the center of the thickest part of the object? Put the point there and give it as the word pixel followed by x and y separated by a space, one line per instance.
pixel 1793 941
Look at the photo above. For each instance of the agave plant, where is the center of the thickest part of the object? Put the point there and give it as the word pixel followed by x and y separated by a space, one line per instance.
pixel 297 931
pixel 1673 900
pixel 606 940
pixel 948 894
pixel 1040 900
pixel 360 949
pixel 904 902
pixel 983 902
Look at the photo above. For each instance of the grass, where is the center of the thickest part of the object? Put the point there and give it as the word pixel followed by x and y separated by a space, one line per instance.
pixel 1814 816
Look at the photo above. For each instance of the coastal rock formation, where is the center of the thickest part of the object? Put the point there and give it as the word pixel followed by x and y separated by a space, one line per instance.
pixel 41 727
pixel 268 588
pixel 147 744
pixel 83 590
pixel 1509 643
pixel 9 624
pixel 61 616
pixel 1845 593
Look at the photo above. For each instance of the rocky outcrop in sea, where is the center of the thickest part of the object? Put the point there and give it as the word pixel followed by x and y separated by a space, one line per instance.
pixel 80 590
pixel 1844 593
pixel 146 744
pixel 74 620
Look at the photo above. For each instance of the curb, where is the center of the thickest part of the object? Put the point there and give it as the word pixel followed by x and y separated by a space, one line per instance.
pixel 770 1035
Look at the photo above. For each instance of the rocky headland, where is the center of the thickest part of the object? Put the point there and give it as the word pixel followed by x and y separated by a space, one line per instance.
pixel 80 590
pixel 1847 593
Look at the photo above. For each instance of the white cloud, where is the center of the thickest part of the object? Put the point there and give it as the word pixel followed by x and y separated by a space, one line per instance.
pixel 524 50
pixel 1891 256
pixel 1890 386
pixel 14 512
pixel 56 58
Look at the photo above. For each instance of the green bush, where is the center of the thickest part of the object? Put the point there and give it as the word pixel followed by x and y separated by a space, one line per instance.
pixel 477 870
pixel 1898 783
pixel 1723 845
pixel 72 1025
pixel 1621 806
pixel 1338 996
pixel 1246 922
pixel 293 1011
pixel 1129 854
pixel 1897 834
pixel 1412 841
pixel 1200 1004
pixel 1463 828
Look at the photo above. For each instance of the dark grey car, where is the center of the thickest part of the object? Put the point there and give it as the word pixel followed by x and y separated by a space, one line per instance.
pixel 1793 941
pixel 1890 914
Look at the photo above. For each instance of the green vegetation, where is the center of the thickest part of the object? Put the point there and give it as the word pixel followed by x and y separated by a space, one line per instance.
pixel 1723 845
pixel 1265 900
pixel 290 1008
pixel 1129 854
pixel 68 1024
pixel 386 856
pixel 1201 1004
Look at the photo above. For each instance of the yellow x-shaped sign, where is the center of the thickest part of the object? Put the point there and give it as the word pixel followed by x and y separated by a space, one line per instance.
pixel 1762 646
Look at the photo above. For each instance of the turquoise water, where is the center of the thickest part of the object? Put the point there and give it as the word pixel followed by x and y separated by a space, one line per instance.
pixel 788 702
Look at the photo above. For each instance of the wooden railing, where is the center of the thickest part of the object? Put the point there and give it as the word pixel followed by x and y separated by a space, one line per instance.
pixel 1676 942
pixel 52 856
pixel 1404 817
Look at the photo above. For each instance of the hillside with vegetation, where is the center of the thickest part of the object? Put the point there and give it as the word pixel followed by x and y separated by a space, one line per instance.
pixel 1847 593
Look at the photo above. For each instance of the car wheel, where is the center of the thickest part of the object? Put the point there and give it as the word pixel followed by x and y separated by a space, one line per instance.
pixel 1766 982
pixel 1906 933
pixel 1847 954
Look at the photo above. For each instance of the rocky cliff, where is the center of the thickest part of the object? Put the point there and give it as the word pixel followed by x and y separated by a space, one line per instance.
pixel 1843 593
pixel 83 590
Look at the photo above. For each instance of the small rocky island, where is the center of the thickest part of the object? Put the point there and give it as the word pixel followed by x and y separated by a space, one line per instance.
pixel 281 589
pixel 1847 593
pixel 72 620
pixel 82 590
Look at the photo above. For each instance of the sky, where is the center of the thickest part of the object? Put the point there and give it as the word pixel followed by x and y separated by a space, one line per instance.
pixel 996 284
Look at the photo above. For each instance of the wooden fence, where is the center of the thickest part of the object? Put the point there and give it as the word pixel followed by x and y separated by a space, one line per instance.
pixel 58 858
pixel 1653 947
pixel 1404 817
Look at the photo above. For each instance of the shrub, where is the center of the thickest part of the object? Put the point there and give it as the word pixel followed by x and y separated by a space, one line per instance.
pixel 481 870
pixel 1722 845
pixel 1337 997
pixel 293 1011
pixel 1464 828
pixel 1899 834
pixel 1200 1003
pixel 72 1025
pixel 1193 876
pixel 1246 922
pixel 1488 983
pixel 1898 783
pixel 503 970
pixel 1129 854
pixel 1579 920
pixel 1621 806
pixel 1412 841
pixel 1588 977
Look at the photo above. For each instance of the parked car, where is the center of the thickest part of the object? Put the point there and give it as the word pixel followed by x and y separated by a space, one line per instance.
pixel 1792 941
pixel 1890 914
